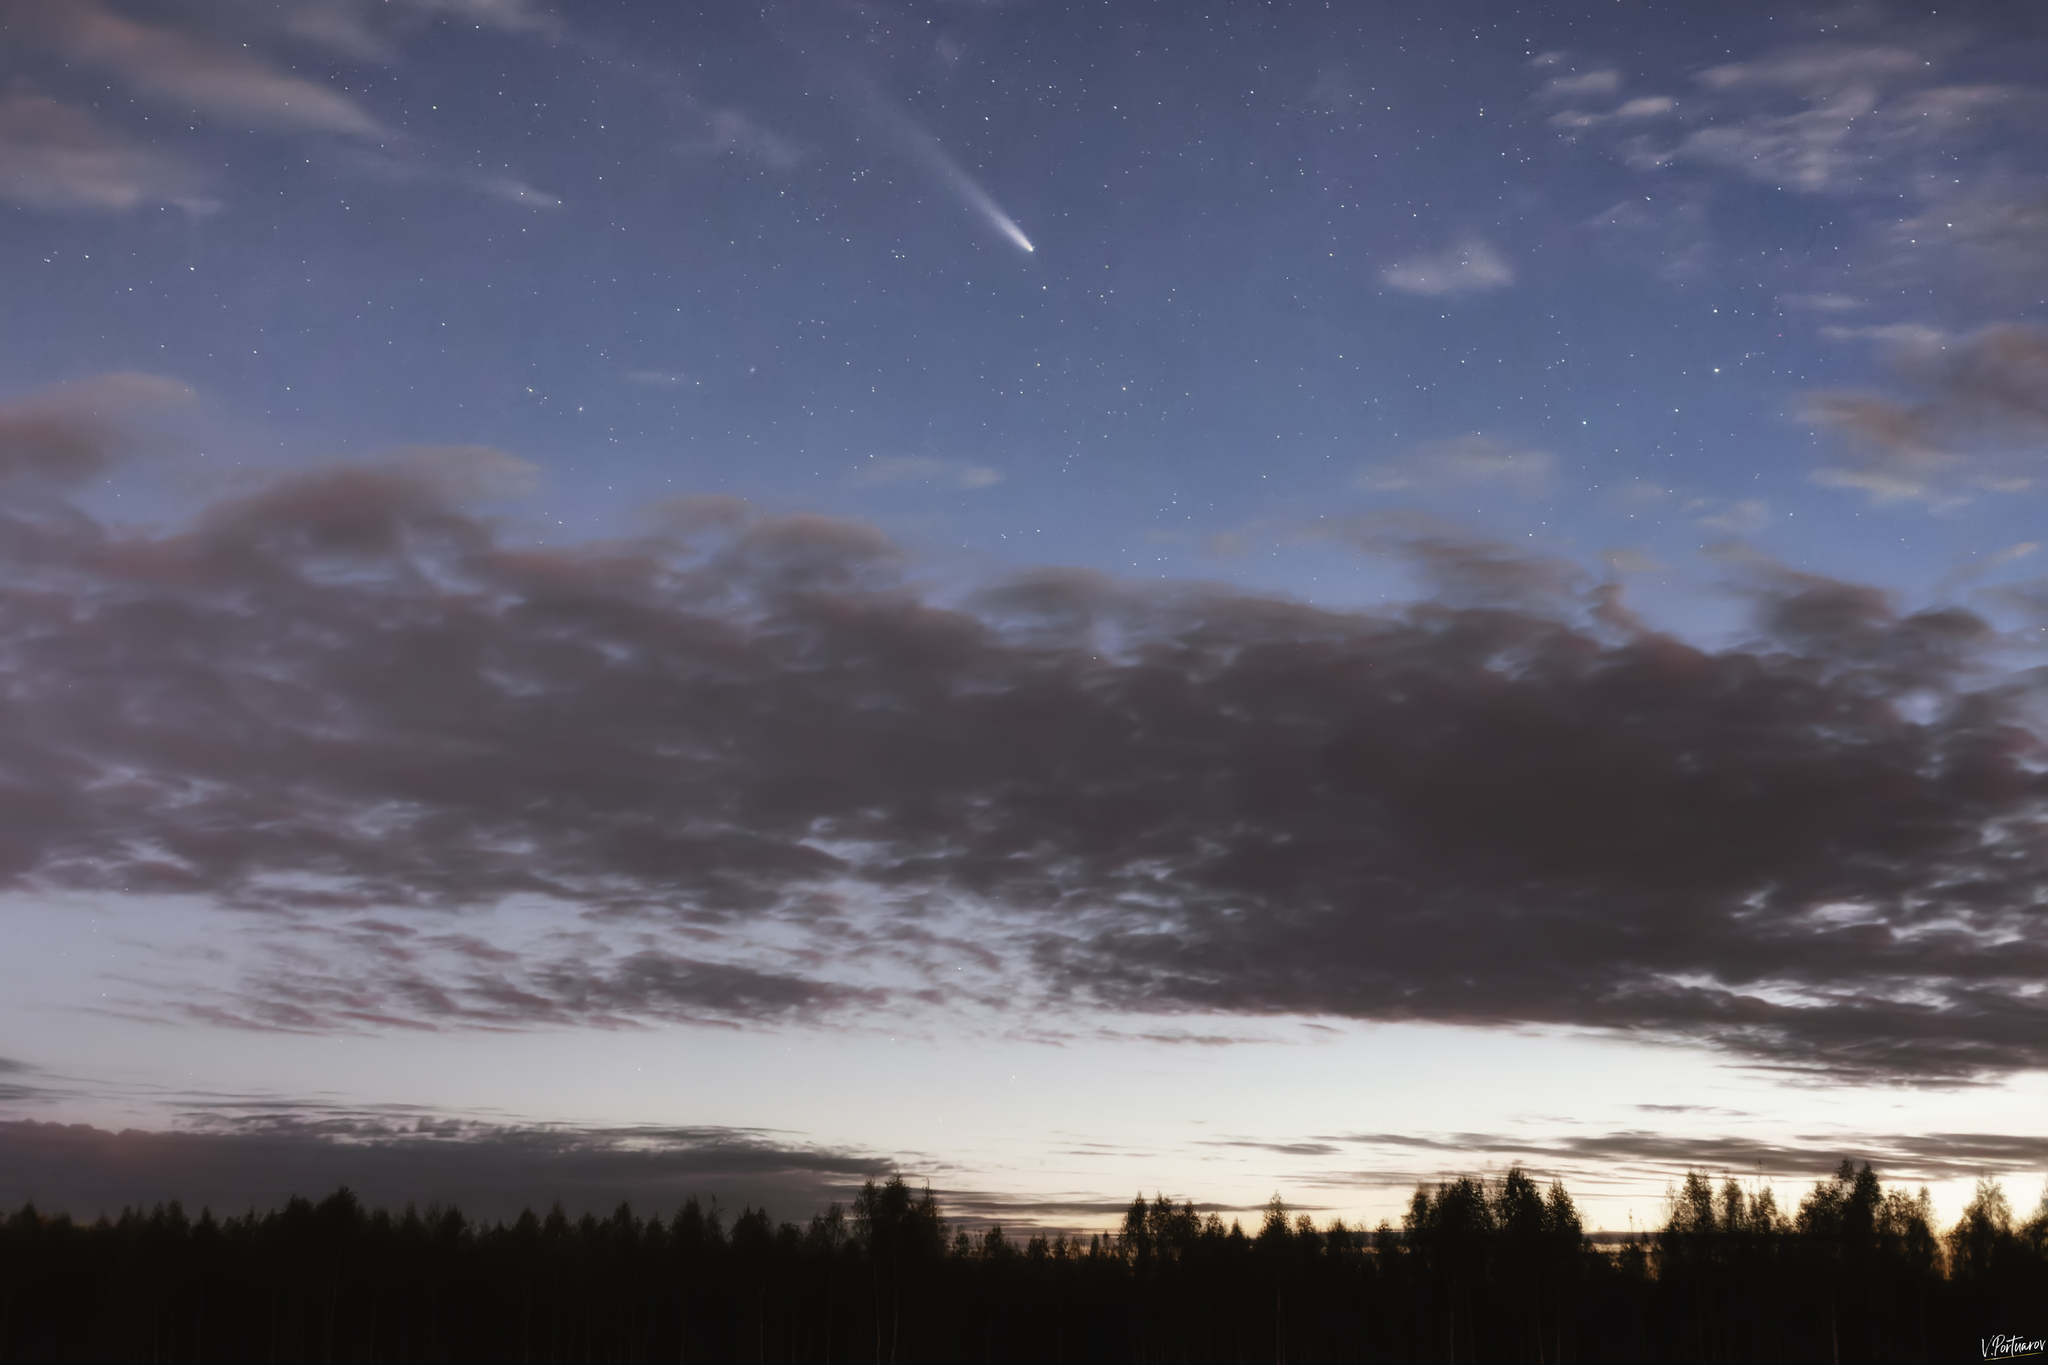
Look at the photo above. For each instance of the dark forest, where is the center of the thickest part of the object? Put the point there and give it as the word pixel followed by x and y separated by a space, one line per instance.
pixel 1479 1270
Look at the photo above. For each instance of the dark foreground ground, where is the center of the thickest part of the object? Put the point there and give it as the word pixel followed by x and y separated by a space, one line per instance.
pixel 1480 1272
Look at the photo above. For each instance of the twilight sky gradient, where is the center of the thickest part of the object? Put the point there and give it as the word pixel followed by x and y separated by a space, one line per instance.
pixel 628 600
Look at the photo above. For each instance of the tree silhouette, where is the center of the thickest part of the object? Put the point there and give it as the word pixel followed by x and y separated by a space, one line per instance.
pixel 1480 1270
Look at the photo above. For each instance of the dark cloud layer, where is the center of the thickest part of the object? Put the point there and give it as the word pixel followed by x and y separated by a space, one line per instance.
pixel 487 1171
pixel 340 695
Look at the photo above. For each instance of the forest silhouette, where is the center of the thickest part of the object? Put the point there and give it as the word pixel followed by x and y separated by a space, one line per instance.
pixel 1479 1270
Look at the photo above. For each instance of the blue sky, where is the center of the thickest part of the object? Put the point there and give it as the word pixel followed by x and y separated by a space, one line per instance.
pixel 1233 565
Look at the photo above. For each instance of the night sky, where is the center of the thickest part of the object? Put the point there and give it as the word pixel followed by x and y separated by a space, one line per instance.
pixel 636 600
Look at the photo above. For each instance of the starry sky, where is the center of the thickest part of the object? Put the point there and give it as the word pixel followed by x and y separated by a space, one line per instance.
pixel 634 600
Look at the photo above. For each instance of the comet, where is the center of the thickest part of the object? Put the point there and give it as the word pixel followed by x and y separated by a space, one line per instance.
pixel 919 142
pixel 964 185
pixel 982 202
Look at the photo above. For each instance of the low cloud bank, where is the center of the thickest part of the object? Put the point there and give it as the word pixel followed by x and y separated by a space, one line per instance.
pixel 488 1172
pixel 232 1163
pixel 1636 1154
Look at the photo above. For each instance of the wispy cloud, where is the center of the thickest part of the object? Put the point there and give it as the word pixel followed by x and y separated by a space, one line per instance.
pixel 58 156
pixel 1464 462
pixel 515 191
pixel 1670 234
pixel 517 16
pixel 217 67
pixel 1976 420
pixel 1817 118
pixel 1578 84
pixel 218 78
pixel 1990 247
pixel 1629 111
pixel 362 28
pixel 731 131
pixel 1470 266
pixel 339 974
pixel 924 469
pixel 68 433
pixel 1822 70
pixel 19 1083
pixel 1729 516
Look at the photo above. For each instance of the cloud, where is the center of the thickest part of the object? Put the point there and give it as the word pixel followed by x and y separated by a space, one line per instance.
pixel 233 1163
pixel 1669 234
pixel 1469 267
pixel 1905 335
pixel 73 431
pixel 1905 1157
pixel 1824 303
pixel 1824 118
pixel 1853 136
pixel 1279 1148
pixel 407 164
pixel 1624 560
pixel 1993 246
pixel 1821 70
pixel 340 696
pixel 210 62
pixel 1977 420
pixel 515 191
pixel 16 1088
pixel 370 973
pixel 515 16
pixel 730 131
pixel 212 76
pixel 233 1158
pixel 358 28
pixel 1465 461
pixel 1456 568
pixel 1975 568
pixel 57 156
pixel 922 469
pixel 1630 111
pixel 1742 517
pixel 1602 82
